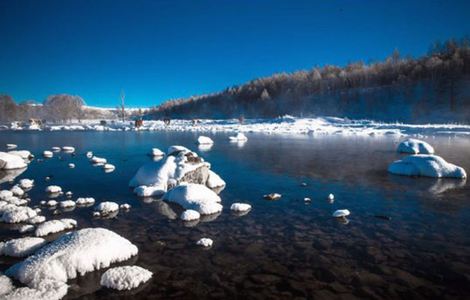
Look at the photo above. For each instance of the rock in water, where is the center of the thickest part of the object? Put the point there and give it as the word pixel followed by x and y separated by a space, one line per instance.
pixel 415 146
pixel 426 165
pixel 125 278
pixel 272 196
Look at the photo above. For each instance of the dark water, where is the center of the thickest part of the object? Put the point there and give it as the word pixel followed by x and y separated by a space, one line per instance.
pixel 281 249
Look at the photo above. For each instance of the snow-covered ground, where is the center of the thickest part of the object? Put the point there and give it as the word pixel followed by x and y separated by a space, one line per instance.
pixel 281 125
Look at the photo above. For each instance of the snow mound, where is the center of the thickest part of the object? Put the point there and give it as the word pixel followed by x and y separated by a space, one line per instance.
pixel 190 215
pixel 204 140
pixel 47 154
pixel 196 197
pixel 98 160
pixel 415 146
pixel 67 204
pixel 107 208
pixel 47 290
pixel 6 286
pixel 10 162
pixel 71 255
pixel 21 247
pixel 341 213
pixel 26 184
pixel 17 191
pixel 17 214
pixel 214 181
pixel 240 207
pixel 157 152
pixel 426 165
pixel 177 149
pixel 240 137
pixel 85 201
pixel 205 242
pixel 52 203
pixel 125 278
pixel 5 194
pixel 53 189
pixel 68 149
pixel 54 226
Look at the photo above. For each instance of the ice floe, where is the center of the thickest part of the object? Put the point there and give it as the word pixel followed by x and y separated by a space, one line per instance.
pixel 21 247
pixel 9 161
pixel 196 197
pixel 54 226
pixel 71 255
pixel 415 146
pixel 125 278
pixel 426 165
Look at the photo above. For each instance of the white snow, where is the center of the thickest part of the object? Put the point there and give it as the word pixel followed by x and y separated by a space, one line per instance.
pixel 21 247
pixel 240 137
pixel 125 206
pixel 125 278
pixel 5 194
pixel 204 140
pixel 71 255
pixel 68 149
pixel 26 183
pixel 106 208
pixel 157 152
pixel 240 207
pixel 26 228
pixel 53 189
pixel 52 203
pixel 11 146
pixel 37 219
pixel 17 191
pixel 415 146
pixel 24 154
pixel 214 180
pixel 109 167
pixel 426 165
pixel 17 214
pixel 6 286
pixel 205 242
pixel 195 196
pixel 176 148
pixel 47 154
pixel 67 204
pixel 69 194
pixel 55 149
pixel 45 290
pixel 341 213
pixel 190 215
pixel 85 201
pixel 54 226
pixel 10 162
pixel 98 160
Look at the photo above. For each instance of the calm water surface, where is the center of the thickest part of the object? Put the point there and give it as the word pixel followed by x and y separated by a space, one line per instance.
pixel 280 249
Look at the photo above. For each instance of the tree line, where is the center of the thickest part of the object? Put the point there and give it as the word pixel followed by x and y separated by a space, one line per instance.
pixel 275 95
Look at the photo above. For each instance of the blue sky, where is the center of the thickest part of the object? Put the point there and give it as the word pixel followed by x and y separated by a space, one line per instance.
pixel 157 50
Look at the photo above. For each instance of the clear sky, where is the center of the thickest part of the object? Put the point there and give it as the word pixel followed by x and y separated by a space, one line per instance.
pixel 156 50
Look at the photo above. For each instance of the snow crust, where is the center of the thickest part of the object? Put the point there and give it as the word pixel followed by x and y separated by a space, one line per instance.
pixel 21 247
pixel 54 226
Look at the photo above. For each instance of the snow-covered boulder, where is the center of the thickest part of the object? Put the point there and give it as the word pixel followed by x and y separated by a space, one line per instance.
pixel 21 247
pixel 47 154
pixel 341 213
pixel 67 204
pixel 415 146
pixel 53 189
pixel 6 286
pixel 109 167
pixel 68 149
pixel 156 152
pixel 71 165
pixel 55 149
pixel 204 140
pixel 240 207
pixel 190 215
pixel 205 242
pixel 17 191
pixel 107 208
pixel 426 165
pixel 10 161
pixel 11 146
pixel 52 203
pixel 37 219
pixel 175 149
pixel 71 255
pixel 17 214
pixel 5 195
pixel 26 228
pixel 215 182
pixel 85 201
pixel 125 278
pixel 240 137
pixel 98 160
pixel 24 154
pixel 54 226
pixel 26 184
pixel 125 206
pixel 196 197
pixel 89 154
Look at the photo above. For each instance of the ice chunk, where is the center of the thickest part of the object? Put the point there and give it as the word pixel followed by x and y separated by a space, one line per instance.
pixel 415 146
pixel 21 247
pixel 426 165
pixel 190 215
pixel 195 196
pixel 125 278
pixel 240 207
pixel 71 255
pixel 204 140
pixel 54 226
pixel 10 162
pixel 205 242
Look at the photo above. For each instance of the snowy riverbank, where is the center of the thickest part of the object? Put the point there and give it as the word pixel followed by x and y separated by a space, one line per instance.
pixel 282 125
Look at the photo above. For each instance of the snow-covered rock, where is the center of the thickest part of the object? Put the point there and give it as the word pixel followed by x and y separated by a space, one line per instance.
pixel 205 242
pixel 55 149
pixel 190 215
pixel 21 247
pixel 5 195
pixel 125 278
pixel 272 196
pixel 26 228
pixel 426 165
pixel 331 197
pixel 71 255
pixel 204 140
pixel 53 189
pixel 37 219
pixel 26 184
pixel 71 165
pixel 47 154
pixel 24 154
pixel 125 206
pixel 240 137
pixel 17 191
pixel 98 160
pixel 175 149
pixel 107 208
pixel 214 181
pixel 157 152
pixel 89 154
pixel 11 146
pixel 415 146
pixel 109 167
pixel 196 197
pixel 85 201
pixel 240 207
pixel 16 214
pixel 6 286
pixel 68 149
pixel 341 213
pixel 52 203
pixel 10 161
pixel 54 226
pixel 67 204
